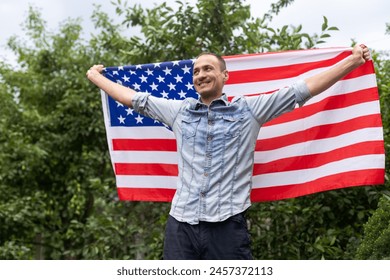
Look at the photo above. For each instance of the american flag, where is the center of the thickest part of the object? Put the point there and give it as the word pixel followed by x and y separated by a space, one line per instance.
pixel 334 141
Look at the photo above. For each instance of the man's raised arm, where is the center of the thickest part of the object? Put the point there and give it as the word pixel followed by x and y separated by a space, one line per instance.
pixel 322 81
pixel 120 93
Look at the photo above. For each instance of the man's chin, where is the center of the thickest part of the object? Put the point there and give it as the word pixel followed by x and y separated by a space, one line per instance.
pixel 208 94
pixel 205 94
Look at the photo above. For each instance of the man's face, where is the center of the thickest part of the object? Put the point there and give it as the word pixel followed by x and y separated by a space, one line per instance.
pixel 208 78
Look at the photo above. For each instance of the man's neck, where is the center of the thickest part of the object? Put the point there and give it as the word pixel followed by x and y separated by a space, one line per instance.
pixel 209 99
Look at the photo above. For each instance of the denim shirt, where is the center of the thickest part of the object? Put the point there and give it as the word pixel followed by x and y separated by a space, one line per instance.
pixel 216 146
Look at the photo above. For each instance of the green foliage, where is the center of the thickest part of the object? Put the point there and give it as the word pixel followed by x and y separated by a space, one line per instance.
pixel 290 37
pixel 276 7
pixel 376 242
pixel 55 170
pixel 321 226
pixel 224 27
pixel 57 192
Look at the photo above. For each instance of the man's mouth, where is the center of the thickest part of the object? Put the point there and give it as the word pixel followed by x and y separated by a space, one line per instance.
pixel 203 83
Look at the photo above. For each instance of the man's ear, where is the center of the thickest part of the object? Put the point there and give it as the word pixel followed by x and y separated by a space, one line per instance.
pixel 226 75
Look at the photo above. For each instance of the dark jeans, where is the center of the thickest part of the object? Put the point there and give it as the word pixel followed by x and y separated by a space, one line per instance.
pixel 227 240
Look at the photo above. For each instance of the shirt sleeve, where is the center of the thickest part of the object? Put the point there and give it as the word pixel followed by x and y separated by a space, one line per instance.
pixel 265 107
pixel 160 109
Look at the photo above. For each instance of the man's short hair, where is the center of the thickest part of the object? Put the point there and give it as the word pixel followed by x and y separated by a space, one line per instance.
pixel 222 62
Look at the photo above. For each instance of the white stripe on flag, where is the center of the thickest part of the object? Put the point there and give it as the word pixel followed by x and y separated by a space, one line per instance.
pixel 320 146
pixel 307 175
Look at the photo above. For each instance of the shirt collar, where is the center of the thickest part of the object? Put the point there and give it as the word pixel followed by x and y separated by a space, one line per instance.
pixel 222 100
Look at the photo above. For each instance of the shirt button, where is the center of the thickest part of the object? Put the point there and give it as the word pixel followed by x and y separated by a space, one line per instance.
pixel 211 122
pixel 202 194
pixel 209 138
pixel 206 174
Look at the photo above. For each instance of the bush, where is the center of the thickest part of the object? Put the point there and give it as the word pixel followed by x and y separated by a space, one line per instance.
pixel 376 242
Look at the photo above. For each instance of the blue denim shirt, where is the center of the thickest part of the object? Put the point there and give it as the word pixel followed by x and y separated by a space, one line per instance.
pixel 216 146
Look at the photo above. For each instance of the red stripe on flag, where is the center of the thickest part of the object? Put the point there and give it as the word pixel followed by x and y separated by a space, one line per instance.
pixel 156 169
pixel 280 72
pixel 367 68
pixel 285 164
pixel 319 132
pixel 330 103
pixel 145 194
pixel 144 145
pixel 332 182
pixel 337 181
pixel 319 159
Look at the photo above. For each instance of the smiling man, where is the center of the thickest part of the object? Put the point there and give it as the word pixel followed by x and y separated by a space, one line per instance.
pixel 209 76
pixel 215 143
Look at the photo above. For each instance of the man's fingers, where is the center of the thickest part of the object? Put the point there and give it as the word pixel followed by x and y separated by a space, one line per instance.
pixel 99 68
pixel 365 52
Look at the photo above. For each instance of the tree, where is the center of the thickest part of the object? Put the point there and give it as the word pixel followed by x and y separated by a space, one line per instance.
pixel 56 202
pixel 57 190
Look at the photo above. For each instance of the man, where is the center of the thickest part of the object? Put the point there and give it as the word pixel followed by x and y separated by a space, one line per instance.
pixel 215 142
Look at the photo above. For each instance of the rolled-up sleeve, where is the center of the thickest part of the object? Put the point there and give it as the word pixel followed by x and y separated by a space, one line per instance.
pixel 139 100
pixel 265 107
pixel 160 109
pixel 302 92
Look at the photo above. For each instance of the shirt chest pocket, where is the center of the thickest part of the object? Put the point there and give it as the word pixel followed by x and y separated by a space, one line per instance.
pixel 189 126
pixel 232 126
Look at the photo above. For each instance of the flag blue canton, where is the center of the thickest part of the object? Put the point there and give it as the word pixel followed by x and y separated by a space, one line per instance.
pixel 171 80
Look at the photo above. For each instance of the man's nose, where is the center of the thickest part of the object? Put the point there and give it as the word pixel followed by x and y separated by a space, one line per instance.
pixel 201 75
